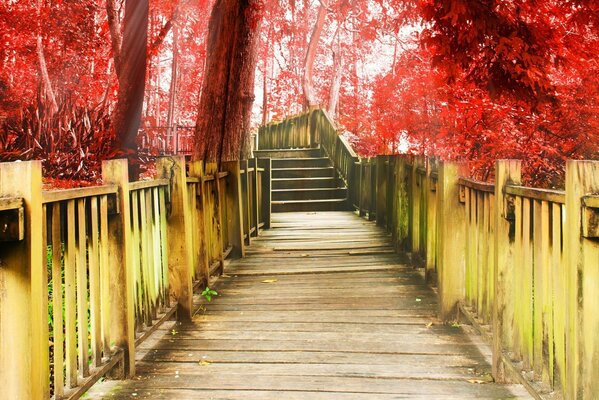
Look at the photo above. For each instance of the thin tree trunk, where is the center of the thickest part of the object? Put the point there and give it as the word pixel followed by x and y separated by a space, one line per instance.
pixel 173 90
pixel 132 76
pixel 307 82
pixel 116 40
pixel 267 61
pixel 47 91
pixel 222 128
pixel 336 84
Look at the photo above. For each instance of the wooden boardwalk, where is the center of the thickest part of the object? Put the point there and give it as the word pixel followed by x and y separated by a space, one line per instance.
pixel 322 308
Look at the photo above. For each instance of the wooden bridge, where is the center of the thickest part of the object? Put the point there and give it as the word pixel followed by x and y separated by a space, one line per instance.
pixel 337 278
pixel 321 307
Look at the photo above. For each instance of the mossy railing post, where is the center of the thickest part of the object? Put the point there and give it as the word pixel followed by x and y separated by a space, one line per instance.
pixel 256 201
pixel 234 204
pixel 23 290
pixel 180 256
pixel 247 203
pixel 451 222
pixel 382 184
pixel 581 249
pixel 266 164
pixel 507 172
pixel 372 204
pixel 121 282
pixel 430 190
pixel 391 187
pixel 196 170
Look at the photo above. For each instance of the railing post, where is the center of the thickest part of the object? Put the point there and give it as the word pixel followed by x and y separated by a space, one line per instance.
pixel 23 291
pixel 256 203
pixel 506 172
pixel 196 170
pixel 247 203
pixel 582 271
pixel 179 236
pixel 381 189
pixel 266 191
pixel 234 204
pixel 430 188
pixel 372 209
pixel 121 284
pixel 362 186
pixel 451 222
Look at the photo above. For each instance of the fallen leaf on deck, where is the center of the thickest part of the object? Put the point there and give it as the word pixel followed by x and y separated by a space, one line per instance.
pixel 476 381
pixel 429 324
pixel 270 281
pixel 204 363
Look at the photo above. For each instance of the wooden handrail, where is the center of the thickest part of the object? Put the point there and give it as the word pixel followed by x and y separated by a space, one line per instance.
pixel 149 184
pixel 53 196
pixel 477 185
pixel 552 196
pixel 10 203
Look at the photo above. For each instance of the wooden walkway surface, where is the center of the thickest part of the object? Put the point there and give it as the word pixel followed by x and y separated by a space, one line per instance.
pixel 322 308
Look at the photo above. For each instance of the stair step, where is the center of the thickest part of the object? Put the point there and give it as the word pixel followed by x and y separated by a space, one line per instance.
pixel 289 153
pixel 306 183
pixel 309 194
pixel 310 205
pixel 307 162
pixel 303 172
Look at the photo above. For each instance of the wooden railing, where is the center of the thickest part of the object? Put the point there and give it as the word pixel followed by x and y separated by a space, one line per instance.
pixel 310 130
pixel 335 146
pixel 93 271
pixel 524 262
pixel 292 133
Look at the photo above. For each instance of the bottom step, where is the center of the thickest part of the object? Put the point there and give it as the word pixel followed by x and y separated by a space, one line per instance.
pixel 310 205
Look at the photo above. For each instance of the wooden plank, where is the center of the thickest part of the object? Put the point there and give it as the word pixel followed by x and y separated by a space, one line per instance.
pixel 451 241
pixel 23 291
pixel 477 185
pixel 506 171
pixel 560 275
pixel 53 196
pixel 104 277
pixel 179 233
pixel 82 290
pixel 148 184
pixel 526 293
pixel 121 277
pixel 164 246
pixel 581 255
pixel 552 196
pixel 57 302
pixel 70 302
pixel 94 285
pixel 10 203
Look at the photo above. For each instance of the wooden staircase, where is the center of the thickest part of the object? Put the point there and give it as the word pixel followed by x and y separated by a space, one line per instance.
pixel 305 180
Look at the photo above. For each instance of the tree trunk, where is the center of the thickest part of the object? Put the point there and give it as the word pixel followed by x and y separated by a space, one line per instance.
pixel 307 82
pixel 336 84
pixel 116 40
pixel 132 76
pixel 266 76
pixel 172 95
pixel 223 124
pixel 47 93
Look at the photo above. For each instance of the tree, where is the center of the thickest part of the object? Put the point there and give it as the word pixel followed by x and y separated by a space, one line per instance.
pixel 130 62
pixel 310 99
pixel 223 122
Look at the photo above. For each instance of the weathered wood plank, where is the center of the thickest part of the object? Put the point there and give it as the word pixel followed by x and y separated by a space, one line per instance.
pixel 312 324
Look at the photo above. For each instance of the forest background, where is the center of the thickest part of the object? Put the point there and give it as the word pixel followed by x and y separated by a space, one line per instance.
pixel 469 80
